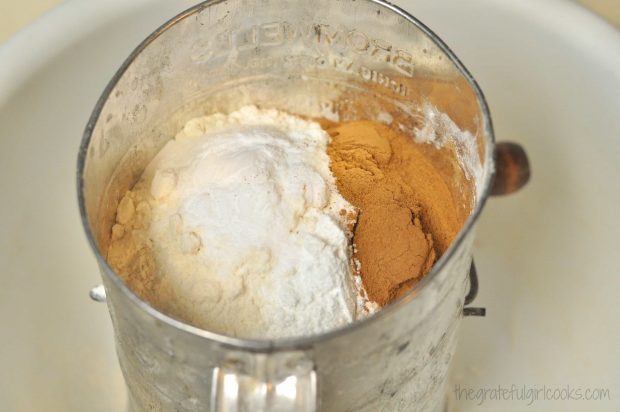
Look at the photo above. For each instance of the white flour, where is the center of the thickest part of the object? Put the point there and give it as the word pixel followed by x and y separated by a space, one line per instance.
pixel 236 226
pixel 439 129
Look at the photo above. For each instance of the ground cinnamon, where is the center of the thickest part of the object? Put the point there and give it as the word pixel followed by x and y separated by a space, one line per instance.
pixel 407 216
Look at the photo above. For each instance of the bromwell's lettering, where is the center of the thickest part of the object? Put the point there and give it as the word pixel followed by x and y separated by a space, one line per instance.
pixel 340 40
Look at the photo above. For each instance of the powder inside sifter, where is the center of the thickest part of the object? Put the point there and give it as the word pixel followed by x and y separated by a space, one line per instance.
pixel 236 226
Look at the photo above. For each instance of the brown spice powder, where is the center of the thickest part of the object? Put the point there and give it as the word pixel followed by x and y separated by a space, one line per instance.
pixel 407 217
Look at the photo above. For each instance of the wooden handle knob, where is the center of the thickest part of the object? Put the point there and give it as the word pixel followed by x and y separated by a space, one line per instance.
pixel 512 168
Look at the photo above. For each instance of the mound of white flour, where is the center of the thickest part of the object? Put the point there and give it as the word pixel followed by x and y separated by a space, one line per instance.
pixel 237 227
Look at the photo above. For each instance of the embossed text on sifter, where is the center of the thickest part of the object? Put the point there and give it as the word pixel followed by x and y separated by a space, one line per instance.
pixel 334 59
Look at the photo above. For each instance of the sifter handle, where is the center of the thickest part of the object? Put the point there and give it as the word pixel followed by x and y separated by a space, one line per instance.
pixel 512 168
pixel 275 382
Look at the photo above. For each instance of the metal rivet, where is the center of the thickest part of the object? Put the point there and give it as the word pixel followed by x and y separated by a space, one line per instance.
pixel 98 294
